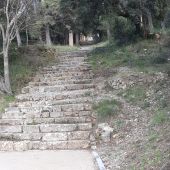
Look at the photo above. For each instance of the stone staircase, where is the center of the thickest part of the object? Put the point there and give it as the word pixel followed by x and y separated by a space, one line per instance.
pixel 54 110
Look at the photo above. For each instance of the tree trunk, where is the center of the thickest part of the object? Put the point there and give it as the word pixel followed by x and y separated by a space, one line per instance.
pixel 48 37
pixel 27 37
pixel 71 40
pixel 41 39
pixel 77 39
pixel 150 22
pixel 19 42
pixel 163 27
pixel 108 32
pixel 6 70
pixel 35 6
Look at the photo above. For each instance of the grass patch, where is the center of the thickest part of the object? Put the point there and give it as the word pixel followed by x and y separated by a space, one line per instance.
pixel 119 124
pixel 107 108
pixel 160 117
pixel 153 136
pixel 4 102
pixel 145 55
pixel 135 95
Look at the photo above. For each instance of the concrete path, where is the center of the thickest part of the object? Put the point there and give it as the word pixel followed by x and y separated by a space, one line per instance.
pixel 47 160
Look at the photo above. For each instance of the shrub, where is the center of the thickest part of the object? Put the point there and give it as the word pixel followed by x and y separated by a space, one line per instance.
pixel 107 108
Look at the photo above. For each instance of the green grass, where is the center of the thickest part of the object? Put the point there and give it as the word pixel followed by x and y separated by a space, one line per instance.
pixel 153 136
pixel 4 102
pixel 160 117
pixel 145 55
pixel 135 95
pixel 107 108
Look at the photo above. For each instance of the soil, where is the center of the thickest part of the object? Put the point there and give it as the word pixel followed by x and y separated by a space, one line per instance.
pixel 137 143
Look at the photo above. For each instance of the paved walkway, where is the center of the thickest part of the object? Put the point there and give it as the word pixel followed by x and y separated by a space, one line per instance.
pixel 47 160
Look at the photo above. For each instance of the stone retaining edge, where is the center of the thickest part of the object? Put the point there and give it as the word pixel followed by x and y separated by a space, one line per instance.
pixel 98 160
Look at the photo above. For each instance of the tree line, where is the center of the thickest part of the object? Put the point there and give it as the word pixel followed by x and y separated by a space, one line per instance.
pixel 63 21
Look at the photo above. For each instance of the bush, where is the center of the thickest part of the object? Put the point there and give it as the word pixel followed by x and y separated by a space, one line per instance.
pixel 123 31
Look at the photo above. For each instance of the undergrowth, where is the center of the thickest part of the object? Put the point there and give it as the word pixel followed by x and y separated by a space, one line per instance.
pixel 145 55
pixel 107 108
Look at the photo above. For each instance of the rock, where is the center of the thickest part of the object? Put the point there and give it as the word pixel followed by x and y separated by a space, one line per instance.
pixel 105 132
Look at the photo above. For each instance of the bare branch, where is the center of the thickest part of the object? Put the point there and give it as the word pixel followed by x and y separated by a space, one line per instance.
pixel 3 31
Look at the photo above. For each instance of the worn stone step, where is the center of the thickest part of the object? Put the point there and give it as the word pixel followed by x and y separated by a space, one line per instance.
pixel 50 137
pixel 39 145
pixel 26 113
pixel 54 95
pixel 67 74
pixel 45 128
pixel 55 88
pixel 65 69
pixel 60 120
pixel 85 100
pixel 60 82
pixel 55 109
pixel 50 78
pixel 51 120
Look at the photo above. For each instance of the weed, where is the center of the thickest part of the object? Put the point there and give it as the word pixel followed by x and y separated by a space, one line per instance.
pixel 160 117
pixel 107 108
pixel 87 94
pixel 136 95
pixel 4 102
pixel 118 124
pixel 153 137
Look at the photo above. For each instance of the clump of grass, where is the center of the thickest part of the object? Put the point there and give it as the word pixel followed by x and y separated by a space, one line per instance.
pixel 153 136
pixel 107 108
pixel 160 117
pixel 119 124
pixel 135 95
pixel 4 102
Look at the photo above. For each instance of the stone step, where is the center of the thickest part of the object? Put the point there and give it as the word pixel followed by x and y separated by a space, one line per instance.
pixel 85 100
pixel 50 137
pixel 39 145
pixel 55 88
pixel 30 113
pixel 51 78
pixel 55 109
pixel 65 68
pixel 45 128
pixel 66 76
pixel 45 111
pixel 60 82
pixel 54 95
pixel 54 120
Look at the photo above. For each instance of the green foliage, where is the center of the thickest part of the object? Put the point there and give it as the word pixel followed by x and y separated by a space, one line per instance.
pixel 123 31
pixel 107 108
